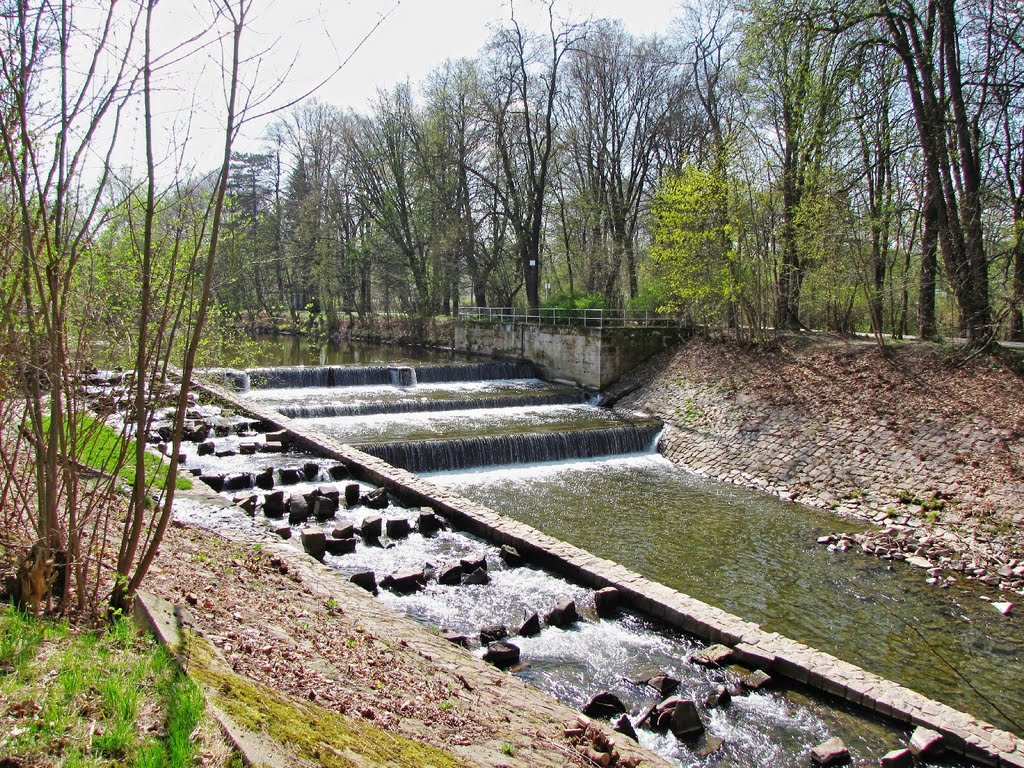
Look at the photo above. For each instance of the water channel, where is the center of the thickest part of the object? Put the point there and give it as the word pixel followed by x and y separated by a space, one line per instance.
pixel 746 552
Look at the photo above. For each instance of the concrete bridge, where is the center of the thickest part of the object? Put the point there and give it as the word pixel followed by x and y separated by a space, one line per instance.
pixel 591 348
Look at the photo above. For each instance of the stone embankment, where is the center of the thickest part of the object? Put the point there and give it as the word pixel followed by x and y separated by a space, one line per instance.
pixel 929 451
pixel 743 642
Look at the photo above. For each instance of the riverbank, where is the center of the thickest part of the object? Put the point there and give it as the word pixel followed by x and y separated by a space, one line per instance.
pixel 929 450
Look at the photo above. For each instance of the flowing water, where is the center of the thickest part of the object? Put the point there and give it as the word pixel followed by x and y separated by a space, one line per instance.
pixel 746 552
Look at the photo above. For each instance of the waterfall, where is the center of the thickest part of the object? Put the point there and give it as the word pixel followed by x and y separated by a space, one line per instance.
pixel 462 453
pixel 376 407
pixel 296 376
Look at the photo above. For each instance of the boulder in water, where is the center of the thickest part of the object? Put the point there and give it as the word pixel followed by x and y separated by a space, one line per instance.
pixel 311 470
pixel 314 541
pixel 398 527
pixel 685 720
pixel 344 530
pixel 606 601
pixel 290 475
pixel 341 546
pixel 510 555
pixel 563 614
pixel 238 481
pixel 830 752
pixel 531 626
pixel 265 479
pixel 206 448
pixel 428 522
pixel 478 577
pixel 713 656
pixel 284 531
pixel 404 581
pixel 502 654
pixel 298 509
pixel 216 482
pixel 325 508
pixel 449 575
pixel 719 697
pixel 248 503
pixel 372 527
pixel 376 499
pixel 351 495
pixel 897 758
pixel 604 705
pixel 625 727
pixel 330 492
pixel 756 680
pixel 365 579
pixel 492 633
pixel 664 684
pixel 274 504
pixel 337 471
pixel 470 564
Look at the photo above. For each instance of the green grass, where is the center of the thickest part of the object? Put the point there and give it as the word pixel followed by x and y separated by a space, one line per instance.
pixel 93 700
pixel 100 446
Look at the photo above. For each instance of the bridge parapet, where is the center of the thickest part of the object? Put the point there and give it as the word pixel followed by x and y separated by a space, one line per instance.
pixel 588 318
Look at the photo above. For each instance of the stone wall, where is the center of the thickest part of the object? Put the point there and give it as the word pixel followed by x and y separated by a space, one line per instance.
pixel 906 443
pixel 589 357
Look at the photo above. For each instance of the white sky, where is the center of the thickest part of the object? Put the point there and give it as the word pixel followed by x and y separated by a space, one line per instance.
pixel 315 36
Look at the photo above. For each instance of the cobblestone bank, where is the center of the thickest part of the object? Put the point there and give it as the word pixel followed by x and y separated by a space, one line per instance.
pixel 753 647
pixel 931 453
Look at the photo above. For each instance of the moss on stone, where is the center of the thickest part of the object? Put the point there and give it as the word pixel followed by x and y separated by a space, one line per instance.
pixel 313 734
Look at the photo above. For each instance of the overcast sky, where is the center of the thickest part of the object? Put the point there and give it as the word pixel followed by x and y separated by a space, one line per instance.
pixel 310 38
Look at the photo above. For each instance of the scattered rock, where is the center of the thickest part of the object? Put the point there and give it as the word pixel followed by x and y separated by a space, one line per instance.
pixel 398 527
pixel 898 758
pixel 280 437
pixel 206 448
pixel 352 495
pixel 248 448
pixel 711 745
pixel 284 531
pixel 457 639
pixel 720 697
pixel 239 481
pixel 563 614
pixel 372 527
pixel 325 508
pixel 625 727
pixel 1003 607
pixel 830 752
pixel 664 685
pixel 290 475
pixel 365 579
pixel 502 654
pixel 248 503
pixel 311 470
pixel 337 471
pixel 449 575
pixel 274 504
pixel 376 499
pixel 345 546
pixel 404 581
pixel 265 479
pixel 713 656
pixel 470 564
pixel 428 522
pixel 492 633
pixel 925 742
pixel 510 556
pixel 225 453
pixel 479 576
pixel 298 509
pixel 606 601
pixel 344 530
pixel 604 705
pixel 685 721
pixel 314 541
pixel 756 680
pixel 531 626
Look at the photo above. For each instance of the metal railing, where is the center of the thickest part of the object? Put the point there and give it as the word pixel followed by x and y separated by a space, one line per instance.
pixel 589 318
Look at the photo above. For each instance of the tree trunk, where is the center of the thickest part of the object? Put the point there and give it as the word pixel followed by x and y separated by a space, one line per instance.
pixel 929 267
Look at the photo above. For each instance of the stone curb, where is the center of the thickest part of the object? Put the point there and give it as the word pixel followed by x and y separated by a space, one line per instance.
pixel 965 734
pixel 164 620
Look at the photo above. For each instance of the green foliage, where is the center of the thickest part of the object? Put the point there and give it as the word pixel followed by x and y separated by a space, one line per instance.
pixel 692 254
pixel 576 300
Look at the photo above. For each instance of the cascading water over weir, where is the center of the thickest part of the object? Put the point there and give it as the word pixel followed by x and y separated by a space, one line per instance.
pixel 538 452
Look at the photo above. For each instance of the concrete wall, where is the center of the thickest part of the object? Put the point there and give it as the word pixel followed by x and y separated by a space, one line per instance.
pixel 590 357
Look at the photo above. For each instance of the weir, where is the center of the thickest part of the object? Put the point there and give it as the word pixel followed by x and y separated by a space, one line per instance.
pixel 753 646
pixel 529 448
pixel 378 407
pixel 300 376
